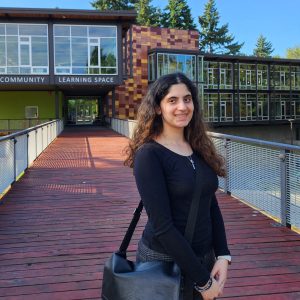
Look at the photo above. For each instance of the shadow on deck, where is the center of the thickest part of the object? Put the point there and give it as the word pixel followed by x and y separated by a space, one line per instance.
pixel 61 221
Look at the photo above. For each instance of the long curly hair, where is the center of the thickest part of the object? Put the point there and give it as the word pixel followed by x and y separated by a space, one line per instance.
pixel 150 125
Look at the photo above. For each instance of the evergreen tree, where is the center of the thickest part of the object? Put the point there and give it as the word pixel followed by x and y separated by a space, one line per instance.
pixel 214 39
pixel 147 14
pixel 293 53
pixel 112 4
pixel 178 15
pixel 263 47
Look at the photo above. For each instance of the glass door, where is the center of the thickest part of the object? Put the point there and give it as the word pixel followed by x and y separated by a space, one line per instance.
pixel 82 111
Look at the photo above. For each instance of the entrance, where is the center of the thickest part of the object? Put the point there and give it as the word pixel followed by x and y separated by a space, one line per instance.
pixel 82 111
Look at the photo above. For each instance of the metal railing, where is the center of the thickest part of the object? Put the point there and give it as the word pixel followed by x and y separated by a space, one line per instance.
pixel 12 125
pixel 265 175
pixel 20 149
pixel 124 127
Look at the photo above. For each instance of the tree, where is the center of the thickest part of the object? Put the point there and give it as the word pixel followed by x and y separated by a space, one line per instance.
pixel 147 14
pixel 214 39
pixel 177 14
pixel 293 53
pixel 112 4
pixel 263 47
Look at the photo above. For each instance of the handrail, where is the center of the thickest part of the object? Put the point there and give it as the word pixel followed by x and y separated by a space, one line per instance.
pixel 18 150
pixel 264 174
pixel 254 141
pixel 25 131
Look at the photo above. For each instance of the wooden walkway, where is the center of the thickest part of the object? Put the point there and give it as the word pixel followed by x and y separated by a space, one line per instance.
pixel 62 220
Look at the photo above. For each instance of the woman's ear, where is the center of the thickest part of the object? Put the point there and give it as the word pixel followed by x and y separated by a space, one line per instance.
pixel 157 110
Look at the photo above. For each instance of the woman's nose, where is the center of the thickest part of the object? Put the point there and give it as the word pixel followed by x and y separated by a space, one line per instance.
pixel 181 105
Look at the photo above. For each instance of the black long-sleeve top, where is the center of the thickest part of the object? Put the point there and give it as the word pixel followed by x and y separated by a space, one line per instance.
pixel 166 181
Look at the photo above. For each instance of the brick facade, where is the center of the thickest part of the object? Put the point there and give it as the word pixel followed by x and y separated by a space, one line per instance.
pixel 129 95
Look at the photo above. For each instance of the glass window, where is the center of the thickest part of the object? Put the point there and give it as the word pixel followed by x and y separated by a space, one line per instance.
pixel 226 76
pixel 151 67
pixel 2 51
pixel 39 46
pixel 24 48
pixel 79 52
pixel 62 30
pixel 33 30
pixel 282 107
pixel 2 29
pixel 108 52
pixel 262 77
pixel 247 77
pixel 98 31
pixel 12 29
pixel 62 51
pixel 12 51
pixel 247 105
pixel 79 31
pixel 210 107
pixel 210 73
pixel 280 77
pixel 85 49
pixel 262 107
pixel 200 68
pixel 295 78
pixel 226 107
pixel 296 107
pixel 170 63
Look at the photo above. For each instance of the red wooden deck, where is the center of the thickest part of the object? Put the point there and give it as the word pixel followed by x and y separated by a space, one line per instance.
pixel 62 220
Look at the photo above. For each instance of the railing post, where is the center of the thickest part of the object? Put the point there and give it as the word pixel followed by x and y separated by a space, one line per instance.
pixel 36 147
pixel 227 163
pixel 285 197
pixel 27 149
pixel 15 159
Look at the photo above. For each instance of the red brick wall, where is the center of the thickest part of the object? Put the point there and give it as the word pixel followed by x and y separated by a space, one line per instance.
pixel 130 94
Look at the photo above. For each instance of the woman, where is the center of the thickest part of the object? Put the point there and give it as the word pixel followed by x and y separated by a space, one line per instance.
pixel 168 144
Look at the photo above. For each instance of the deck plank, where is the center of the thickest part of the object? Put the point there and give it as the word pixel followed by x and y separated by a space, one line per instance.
pixel 61 221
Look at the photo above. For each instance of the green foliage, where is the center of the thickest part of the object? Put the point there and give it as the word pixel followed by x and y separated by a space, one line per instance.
pixel 215 39
pixel 177 14
pixel 147 14
pixel 293 53
pixel 112 4
pixel 263 47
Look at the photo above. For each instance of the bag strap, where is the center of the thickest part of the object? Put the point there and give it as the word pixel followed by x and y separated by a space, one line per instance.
pixel 128 235
pixel 190 226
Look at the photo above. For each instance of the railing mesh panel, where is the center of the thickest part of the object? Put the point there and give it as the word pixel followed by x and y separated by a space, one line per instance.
pixel 39 141
pixel 21 154
pixel 45 137
pixel 31 147
pixel 293 189
pixel 219 144
pixel 6 164
pixel 254 176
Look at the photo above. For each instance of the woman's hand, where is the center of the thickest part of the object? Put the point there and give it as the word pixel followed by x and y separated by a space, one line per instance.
pixel 213 292
pixel 219 272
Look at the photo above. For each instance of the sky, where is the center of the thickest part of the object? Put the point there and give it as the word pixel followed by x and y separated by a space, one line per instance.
pixel 277 20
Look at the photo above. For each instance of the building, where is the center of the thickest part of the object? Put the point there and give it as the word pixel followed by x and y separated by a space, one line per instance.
pixel 85 65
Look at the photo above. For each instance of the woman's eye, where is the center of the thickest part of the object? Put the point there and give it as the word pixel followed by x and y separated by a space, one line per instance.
pixel 188 100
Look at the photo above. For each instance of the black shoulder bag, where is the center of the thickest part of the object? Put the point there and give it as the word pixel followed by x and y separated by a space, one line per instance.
pixel 153 280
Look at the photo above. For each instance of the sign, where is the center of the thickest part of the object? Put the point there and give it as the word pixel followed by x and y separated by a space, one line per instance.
pixel 59 80
pixel 19 79
pixel 86 80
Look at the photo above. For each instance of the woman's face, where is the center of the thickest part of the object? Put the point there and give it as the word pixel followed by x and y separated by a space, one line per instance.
pixel 176 107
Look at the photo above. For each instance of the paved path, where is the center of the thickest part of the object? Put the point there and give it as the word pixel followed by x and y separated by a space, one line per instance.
pixel 62 220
